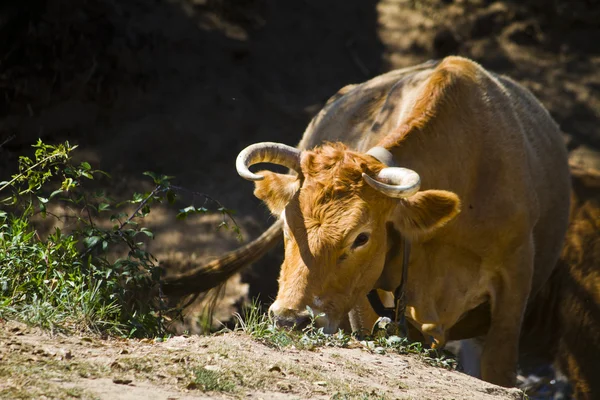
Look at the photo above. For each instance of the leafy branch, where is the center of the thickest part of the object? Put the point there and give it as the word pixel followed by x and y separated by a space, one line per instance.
pixel 52 280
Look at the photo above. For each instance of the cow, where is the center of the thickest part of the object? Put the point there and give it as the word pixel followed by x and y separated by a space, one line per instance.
pixel 562 324
pixel 463 165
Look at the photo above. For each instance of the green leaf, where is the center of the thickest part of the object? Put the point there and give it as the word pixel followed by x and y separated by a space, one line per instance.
pixel 91 241
pixel 150 174
pixel 103 207
pixel 59 191
pixel 43 209
pixel 147 232
pixel 171 196
pixel 68 184
pixel 87 175
pixel 85 165
pixel 137 198
pixel 118 216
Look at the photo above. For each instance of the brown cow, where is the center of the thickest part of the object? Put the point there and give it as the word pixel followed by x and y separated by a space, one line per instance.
pixel 563 321
pixel 478 142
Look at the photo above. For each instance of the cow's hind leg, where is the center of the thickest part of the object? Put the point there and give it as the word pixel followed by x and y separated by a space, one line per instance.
pixel 468 353
pixel 508 298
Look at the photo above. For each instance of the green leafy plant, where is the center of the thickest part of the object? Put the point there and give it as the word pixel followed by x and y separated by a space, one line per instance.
pixel 254 322
pixel 402 345
pixel 74 280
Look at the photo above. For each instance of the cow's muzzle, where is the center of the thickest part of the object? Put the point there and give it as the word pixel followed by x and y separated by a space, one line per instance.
pixel 289 318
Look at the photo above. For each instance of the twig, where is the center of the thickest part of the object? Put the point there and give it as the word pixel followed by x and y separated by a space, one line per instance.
pixel 29 169
pixel 206 197
pixel 142 204
pixel 90 73
pixel 11 137
pixel 357 61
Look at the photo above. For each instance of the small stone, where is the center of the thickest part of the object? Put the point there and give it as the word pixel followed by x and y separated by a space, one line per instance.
pixel 274 368
pixel 117 365
pixel 284 386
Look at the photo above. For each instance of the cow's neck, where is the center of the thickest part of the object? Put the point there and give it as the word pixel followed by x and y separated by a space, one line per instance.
pixel 397 312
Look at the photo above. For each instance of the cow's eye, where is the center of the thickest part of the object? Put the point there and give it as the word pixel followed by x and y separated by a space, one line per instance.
pixel 360 240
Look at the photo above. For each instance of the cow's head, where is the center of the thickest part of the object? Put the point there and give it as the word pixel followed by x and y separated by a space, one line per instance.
pixel 335 211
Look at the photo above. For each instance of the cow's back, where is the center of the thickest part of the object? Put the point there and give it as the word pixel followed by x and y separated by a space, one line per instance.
pixel 360 115
pixel 548 162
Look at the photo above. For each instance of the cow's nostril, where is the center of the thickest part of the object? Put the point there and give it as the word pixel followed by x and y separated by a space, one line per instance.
pixel 296 322
pixel 302 322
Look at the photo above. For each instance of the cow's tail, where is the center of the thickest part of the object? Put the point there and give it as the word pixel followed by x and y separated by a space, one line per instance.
pixel 208 276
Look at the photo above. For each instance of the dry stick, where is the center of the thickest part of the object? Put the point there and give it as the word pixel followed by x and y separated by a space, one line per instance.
pixel 11 137
pixel 207 197
pixel 29 169
pixel 356 59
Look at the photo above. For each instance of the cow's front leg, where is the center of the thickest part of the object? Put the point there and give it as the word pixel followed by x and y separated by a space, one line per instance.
pixel 362 317
pixel 508 300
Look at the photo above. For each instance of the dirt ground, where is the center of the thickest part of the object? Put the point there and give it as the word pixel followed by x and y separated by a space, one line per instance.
pixel 36 365
pixel 181 86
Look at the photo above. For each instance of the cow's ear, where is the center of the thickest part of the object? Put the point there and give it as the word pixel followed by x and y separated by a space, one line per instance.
pixel 427 211
pixel 276 190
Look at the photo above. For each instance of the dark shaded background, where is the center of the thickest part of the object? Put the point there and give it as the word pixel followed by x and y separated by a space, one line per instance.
pixel 180 87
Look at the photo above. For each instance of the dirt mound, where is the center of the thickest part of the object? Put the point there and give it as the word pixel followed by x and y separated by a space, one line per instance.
pixel 225 366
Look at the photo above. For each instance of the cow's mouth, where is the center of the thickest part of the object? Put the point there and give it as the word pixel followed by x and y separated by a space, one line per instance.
pixel 301 320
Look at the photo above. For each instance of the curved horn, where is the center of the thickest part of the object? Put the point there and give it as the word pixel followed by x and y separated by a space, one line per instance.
pixel 268 152
pixel 395 182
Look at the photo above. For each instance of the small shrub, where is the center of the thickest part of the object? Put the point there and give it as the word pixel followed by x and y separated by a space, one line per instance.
pixel 70 280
